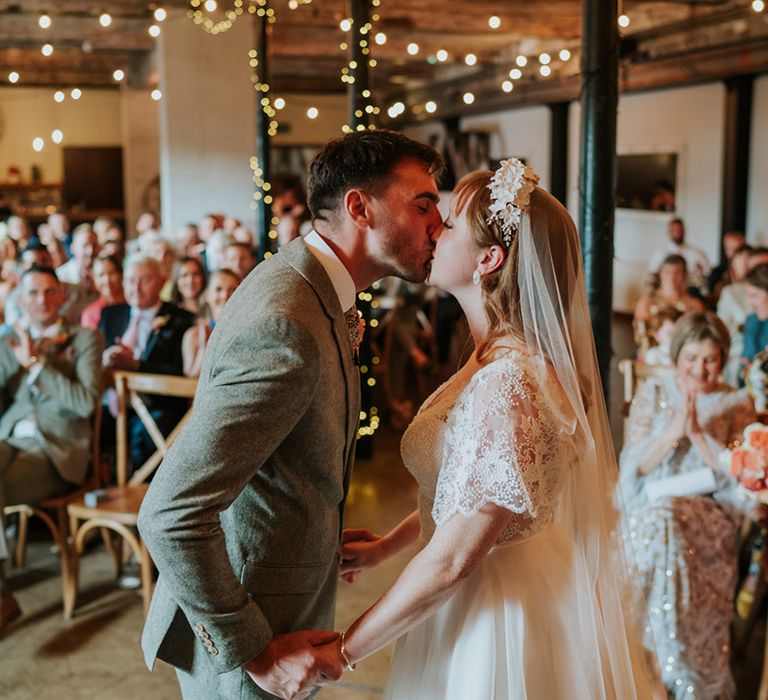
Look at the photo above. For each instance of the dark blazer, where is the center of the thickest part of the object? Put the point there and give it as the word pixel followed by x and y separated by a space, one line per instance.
pixel 243 518
pixel 162 354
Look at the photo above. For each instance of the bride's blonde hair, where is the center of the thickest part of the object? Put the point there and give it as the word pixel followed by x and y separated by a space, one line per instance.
pixel 500 288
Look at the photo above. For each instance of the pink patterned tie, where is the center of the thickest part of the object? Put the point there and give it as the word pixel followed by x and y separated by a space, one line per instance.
pixel 130 338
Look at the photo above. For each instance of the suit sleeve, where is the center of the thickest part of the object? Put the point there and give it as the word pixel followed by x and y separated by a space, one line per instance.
pixel 79 394
pixel 255 389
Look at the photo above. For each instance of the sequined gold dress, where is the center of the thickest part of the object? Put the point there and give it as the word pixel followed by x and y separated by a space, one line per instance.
pixel 685 548
pixel 512 630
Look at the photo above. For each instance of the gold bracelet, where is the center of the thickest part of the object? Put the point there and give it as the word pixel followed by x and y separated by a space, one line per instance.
pixel 344 654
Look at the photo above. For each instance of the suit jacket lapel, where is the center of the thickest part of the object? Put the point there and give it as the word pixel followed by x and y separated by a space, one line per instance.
pixel 299 257
pixel 152 340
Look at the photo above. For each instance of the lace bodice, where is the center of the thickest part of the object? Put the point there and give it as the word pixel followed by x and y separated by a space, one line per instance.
pixel 491 434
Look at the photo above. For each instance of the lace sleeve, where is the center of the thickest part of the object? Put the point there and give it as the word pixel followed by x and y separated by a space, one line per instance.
pixel 500 434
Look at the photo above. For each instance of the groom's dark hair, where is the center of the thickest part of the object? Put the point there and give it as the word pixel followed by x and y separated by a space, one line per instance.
pixel 364 159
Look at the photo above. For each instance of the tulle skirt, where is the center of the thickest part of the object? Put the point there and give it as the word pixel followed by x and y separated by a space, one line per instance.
pixel 512 631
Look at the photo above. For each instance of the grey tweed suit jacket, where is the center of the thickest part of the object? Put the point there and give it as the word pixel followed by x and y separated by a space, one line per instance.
pixel 243 518
pixel 62 398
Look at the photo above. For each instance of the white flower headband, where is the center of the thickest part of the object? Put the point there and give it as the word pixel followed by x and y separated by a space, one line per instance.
pixel 511 187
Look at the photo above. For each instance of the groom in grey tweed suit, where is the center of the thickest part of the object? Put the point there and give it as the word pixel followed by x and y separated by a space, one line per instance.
pixel 244 516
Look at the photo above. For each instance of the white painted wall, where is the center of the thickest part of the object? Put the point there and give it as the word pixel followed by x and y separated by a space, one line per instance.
pixel 93 120
pixel 757 202
pixel 523 133
pixel 141 150
pixel 206 122
pixel 690 122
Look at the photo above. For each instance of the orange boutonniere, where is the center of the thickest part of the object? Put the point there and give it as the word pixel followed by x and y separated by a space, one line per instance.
pixel 159 322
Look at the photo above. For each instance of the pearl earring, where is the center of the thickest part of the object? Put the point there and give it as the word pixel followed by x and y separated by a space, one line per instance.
pixel 476 278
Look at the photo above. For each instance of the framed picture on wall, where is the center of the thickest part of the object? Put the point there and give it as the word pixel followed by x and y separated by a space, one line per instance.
pixel 647 181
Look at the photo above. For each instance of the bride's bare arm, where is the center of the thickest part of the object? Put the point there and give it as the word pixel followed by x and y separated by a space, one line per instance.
pixel 453 553
pixel 365 553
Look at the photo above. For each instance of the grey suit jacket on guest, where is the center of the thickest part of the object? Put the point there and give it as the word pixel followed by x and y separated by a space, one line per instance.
pixel 244 516
pixel 61 398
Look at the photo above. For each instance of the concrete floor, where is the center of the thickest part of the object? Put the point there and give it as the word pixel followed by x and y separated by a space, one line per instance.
pixel 96 656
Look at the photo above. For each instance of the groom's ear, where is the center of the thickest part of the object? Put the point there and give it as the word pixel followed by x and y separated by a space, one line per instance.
pixel 357 205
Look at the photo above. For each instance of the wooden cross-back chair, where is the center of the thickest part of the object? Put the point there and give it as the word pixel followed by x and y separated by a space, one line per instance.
pixel 118 511
pixel 53 510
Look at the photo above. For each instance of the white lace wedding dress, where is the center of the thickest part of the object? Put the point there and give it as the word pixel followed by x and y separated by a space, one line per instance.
pixel 514 629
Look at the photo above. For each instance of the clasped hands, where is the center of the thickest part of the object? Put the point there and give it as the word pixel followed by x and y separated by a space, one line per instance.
pixel 685 420
pixel 24 347
pixel 294 664
pixel 119 356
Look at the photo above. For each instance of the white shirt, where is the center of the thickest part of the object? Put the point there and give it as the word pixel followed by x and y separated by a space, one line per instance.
pixel 146 318
pixel 695 259
pixel 341 280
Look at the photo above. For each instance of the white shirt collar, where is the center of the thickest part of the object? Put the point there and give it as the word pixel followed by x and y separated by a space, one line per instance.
pixel 148 313
pixel 48 332
pixel 341 280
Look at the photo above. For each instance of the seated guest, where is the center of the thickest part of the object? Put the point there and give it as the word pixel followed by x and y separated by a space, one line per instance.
pixel 144 335
pixel 189 285
pixel 661 329
pixel 108 281
pixel 9 275
pixel 289 206
pixel 85 246
pixel 671 292
pixel 214 249
pixel 733 309
pixel 221 286
pixel 756 324
pixel 239 258
pixel 162 251
pixel 720 275
pixel 59 224
pixel 697 264
pixel 188 241
pixel 50 371
pixel 114 249
pixel 18 230
pixel 75 297
pixel 685 545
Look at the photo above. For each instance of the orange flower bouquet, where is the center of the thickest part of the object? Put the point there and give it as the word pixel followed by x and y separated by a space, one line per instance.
pixel 748 461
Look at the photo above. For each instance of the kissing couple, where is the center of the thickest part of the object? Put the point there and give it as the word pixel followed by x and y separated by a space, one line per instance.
pixel 517 589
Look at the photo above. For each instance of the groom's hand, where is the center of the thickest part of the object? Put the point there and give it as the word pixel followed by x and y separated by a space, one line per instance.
pixel 291 665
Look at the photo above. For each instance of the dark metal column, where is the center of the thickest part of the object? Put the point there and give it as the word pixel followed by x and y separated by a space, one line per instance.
pixel 598 163
pixel 359 95
pixel 263 143
pixel 360 14
pixel 558 150
pixel 738 131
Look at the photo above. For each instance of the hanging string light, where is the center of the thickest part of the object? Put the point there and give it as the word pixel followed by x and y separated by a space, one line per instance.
pixel 200 11
pixel 362 35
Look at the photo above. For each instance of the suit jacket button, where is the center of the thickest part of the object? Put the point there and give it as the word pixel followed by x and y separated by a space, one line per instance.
pixel 199 627
pixel 214 651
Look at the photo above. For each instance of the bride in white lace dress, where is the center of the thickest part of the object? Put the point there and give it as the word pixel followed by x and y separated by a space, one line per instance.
pixel 517 590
